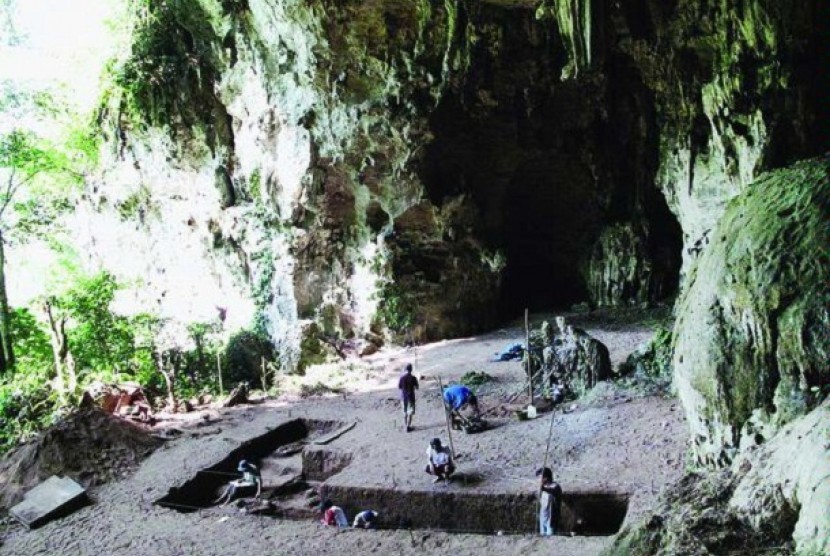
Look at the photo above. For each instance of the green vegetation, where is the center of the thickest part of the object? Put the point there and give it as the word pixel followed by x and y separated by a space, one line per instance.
pixel 473 379
pixel 654 360
pixel 396 308
pixel 69 341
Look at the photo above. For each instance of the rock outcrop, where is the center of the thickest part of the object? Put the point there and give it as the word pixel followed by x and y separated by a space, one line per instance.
pixel 751 337
pixel 573 357
pixel 768 501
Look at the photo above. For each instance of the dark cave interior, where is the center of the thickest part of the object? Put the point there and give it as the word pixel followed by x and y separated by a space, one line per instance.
pixel 549 163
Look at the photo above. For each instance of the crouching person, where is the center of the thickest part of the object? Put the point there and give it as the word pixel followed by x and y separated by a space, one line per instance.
pixel 365 519
pixel 439 461
pixel 251 478
pixel 333 516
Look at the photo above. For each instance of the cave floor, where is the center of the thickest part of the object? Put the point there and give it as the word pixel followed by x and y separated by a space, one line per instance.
pixel 616 440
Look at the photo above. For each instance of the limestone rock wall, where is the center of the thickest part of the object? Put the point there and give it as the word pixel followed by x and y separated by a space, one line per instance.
pixel 277 141
pixel 769 501
pixel 330 168
pixel 733 91
pixel 751 337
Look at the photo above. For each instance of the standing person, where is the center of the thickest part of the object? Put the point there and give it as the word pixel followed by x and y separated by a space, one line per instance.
pixel 550 502
pixel 407 385
pixel 439 461
pixel 333 515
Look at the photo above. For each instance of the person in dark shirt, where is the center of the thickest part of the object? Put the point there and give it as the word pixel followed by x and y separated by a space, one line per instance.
pixel 407 385
pixel 550 503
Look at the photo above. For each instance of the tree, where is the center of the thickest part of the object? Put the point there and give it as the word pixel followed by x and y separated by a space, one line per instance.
pixel 21 161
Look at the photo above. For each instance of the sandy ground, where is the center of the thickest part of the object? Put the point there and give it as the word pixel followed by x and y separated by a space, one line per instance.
pixel 615 441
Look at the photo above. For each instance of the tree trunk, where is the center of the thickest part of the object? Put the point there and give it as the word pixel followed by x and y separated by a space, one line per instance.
pixel 60 349
pixel 5 315
pixel 169 380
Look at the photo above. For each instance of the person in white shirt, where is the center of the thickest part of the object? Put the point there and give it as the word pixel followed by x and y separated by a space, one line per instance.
pixel 251 477
pixel 439 461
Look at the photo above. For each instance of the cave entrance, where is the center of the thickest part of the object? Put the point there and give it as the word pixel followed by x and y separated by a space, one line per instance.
pixel 550 217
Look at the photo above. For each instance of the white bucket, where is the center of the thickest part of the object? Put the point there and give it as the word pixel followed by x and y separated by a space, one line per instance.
pixel 531 411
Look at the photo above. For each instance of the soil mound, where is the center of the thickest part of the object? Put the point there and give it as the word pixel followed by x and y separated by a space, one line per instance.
pixel 90 446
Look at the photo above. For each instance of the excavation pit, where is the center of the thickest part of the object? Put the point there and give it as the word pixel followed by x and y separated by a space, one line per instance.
pixel 583 513
pixel 293 466
pixel 278 454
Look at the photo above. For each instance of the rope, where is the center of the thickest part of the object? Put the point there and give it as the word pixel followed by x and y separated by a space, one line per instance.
pixel 547 451
pixel 550 434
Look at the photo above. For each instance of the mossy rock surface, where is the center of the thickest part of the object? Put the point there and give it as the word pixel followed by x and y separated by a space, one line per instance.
pixel 751 339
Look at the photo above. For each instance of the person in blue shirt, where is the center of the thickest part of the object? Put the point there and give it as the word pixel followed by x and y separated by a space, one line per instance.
pixel 456 398
pixel 365 519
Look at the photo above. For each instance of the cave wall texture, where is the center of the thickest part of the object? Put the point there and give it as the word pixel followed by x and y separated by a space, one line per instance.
pixel 340 168
pixel 349 168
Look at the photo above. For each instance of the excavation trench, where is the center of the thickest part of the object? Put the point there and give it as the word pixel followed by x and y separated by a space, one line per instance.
pixel 277 453
pixel 583 513
pixel 294 469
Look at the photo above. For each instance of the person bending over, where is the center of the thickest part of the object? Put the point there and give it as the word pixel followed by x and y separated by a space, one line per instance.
pixel 458 397
pixel 333 516
pixel 365 519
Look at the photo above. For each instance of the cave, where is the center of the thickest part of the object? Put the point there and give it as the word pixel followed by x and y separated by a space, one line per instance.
pixel 551 165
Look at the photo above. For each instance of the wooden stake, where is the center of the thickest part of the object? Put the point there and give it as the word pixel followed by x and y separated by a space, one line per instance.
pixel 219 372
pixel 446 416
pixel 529 367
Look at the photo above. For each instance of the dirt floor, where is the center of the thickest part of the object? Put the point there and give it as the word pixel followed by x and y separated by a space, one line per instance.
pixel 617 440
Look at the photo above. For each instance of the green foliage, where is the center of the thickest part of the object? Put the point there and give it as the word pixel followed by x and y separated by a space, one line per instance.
pixel 23 154
pixel 655 360
pixel 396 308
pixel 30 341
pixel 173 57
pixel 98 338
pixel 244 355
pixel 138 203
pixel 26 407
pixel 475 378
pixel 27 404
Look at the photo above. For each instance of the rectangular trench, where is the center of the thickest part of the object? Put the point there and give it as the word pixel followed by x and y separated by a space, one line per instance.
pixel 583 513
pixel 202 490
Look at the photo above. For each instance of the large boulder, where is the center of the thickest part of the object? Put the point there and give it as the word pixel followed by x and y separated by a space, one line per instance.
pixel 751 337
pixel 575 357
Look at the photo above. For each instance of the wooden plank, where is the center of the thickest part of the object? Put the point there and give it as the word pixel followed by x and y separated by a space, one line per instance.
pixel 336 434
